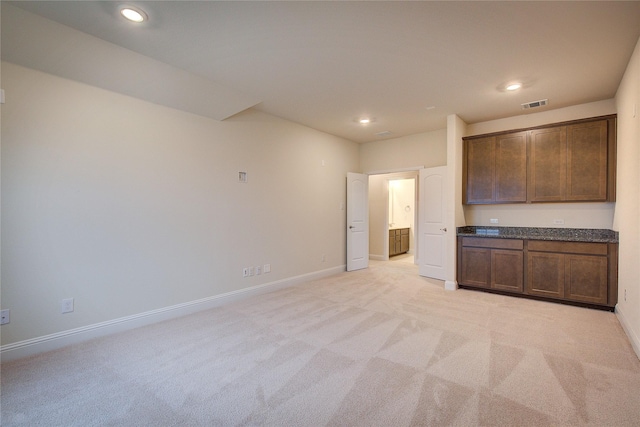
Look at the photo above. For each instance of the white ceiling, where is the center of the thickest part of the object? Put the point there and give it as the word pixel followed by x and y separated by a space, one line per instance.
pixel 407 64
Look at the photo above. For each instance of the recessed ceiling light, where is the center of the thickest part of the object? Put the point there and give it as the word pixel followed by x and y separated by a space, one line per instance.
pixel 364 120
pixel 133 14
pixel 514 86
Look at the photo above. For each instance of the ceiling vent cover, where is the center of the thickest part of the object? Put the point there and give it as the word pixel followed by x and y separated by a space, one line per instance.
pixel 535 104
pixel 384 133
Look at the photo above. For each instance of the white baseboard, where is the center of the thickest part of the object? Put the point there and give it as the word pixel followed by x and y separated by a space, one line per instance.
pixel 50 342
pixel 450 285
pixel 633 337
pixel 378 257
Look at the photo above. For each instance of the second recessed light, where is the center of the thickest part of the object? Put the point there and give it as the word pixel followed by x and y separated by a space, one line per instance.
pixel 133 14
pixel 364 120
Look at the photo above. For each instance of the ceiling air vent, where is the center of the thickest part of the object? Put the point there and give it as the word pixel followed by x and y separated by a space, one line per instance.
pixel 535 104
pixel 383 133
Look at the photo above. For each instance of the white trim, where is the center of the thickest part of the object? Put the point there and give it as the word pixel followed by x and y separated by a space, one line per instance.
pixel 450 285
pixel 378 257
pixel 386 171
pixel 73 336
pixel 626 326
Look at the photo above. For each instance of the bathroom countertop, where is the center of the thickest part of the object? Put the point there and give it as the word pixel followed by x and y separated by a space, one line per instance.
pixel 535 233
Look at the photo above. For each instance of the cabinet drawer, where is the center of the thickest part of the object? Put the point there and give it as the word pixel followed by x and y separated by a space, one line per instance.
pixel 487 242
pixel 568 247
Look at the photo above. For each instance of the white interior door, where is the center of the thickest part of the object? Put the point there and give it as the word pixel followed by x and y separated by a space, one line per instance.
pixel 357 221
pixel 432 241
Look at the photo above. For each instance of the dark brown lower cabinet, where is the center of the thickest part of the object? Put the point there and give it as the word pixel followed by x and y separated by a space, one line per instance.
pixel 575 272
pixel 491 263
pixel 507 267
pixel 545 274
pixel 570 271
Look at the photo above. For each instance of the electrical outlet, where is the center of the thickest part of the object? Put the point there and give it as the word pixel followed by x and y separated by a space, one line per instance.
pixel 267 268
pixel 245 272
pixel 258 270
pixel 250 271
pixel 5 316
pixel 66 305
pixel 558 221
pixel 493 221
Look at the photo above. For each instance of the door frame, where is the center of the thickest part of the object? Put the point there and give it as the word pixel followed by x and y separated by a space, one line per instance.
pixel 415 171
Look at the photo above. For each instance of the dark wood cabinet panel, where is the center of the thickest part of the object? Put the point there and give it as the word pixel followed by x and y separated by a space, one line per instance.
pixel 511 168
pixel 573 271
pixel 545 274
pixel 480 170
pixel 586 278
pixel 496 169
pixel 587 161
pixel 507 268
pixel 476 267
pixel 567 162
pixel 491 263
pixel 587 248
pixel 577 272
pixel 547 165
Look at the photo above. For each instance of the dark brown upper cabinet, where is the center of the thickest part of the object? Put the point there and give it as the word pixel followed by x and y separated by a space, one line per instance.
pixel 547 164
pixel 564 162
pixel 496 169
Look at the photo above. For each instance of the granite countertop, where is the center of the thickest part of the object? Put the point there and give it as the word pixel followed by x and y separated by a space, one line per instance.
pixel 535 233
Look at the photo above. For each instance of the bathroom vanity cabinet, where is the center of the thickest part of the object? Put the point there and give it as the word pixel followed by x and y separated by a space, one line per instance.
pixel 398 241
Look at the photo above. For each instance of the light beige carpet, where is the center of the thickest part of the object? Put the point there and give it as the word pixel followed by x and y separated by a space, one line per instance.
pixel 377 347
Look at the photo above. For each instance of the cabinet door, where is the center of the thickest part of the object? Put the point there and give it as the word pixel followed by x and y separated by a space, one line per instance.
pixel 480 169
pixel 586 278
pixel 507 270
pixel 511 168
pixel 587 161
pixel 545 274
pixel 392 242
pixel 548 165
pixel 404 240
pixel 476 267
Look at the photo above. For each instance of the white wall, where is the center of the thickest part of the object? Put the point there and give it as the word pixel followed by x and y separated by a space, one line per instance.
pixel 427 149
pixel 129 206
pixel 402 200
pixel 627 212
pixel 575 215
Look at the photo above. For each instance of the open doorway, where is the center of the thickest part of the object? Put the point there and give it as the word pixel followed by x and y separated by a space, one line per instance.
pixel 393 217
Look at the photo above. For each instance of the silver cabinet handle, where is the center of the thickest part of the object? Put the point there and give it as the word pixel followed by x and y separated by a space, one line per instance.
pixel 351 226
